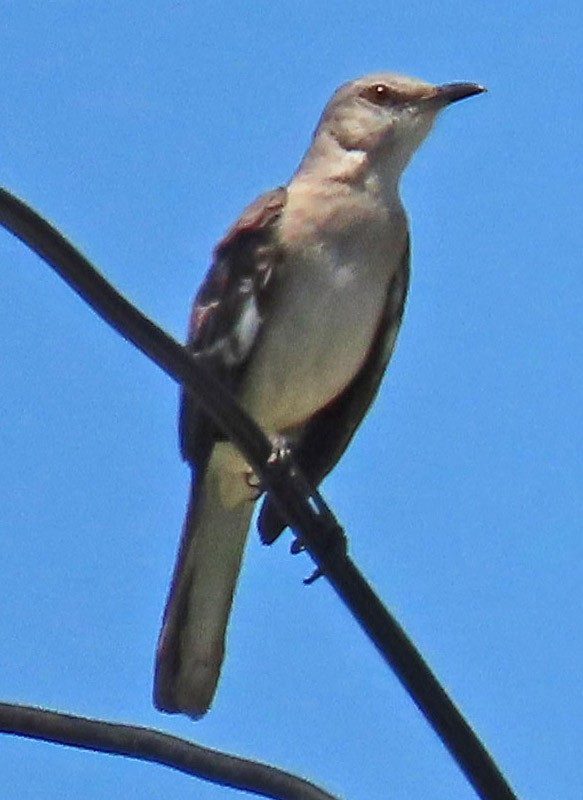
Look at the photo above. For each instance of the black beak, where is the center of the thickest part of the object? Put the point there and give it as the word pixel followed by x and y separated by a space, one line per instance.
pixel 449 93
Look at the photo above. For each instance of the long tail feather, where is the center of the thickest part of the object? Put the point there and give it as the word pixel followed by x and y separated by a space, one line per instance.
pixel 192 641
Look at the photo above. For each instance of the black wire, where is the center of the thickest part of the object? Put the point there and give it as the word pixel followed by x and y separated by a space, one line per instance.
pixel 147 744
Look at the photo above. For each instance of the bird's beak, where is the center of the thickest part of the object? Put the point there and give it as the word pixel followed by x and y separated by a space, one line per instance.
pixel 449 93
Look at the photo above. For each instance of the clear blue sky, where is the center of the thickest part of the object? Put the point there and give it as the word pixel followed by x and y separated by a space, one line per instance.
pixel 141 130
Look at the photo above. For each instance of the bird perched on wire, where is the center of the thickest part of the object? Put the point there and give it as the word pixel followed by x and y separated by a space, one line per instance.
pixel 298 317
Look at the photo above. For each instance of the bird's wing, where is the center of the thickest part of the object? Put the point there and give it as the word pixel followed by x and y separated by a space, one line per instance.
pixel 329 432
pixel 226 320
pixel 229 310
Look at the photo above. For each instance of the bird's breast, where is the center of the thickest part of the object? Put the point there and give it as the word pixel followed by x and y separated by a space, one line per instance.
pixel 330 292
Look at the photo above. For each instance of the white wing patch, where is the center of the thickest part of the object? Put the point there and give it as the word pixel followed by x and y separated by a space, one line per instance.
pixel 237 345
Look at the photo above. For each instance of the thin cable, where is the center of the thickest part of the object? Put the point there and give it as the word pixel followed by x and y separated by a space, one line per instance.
pixel 147 744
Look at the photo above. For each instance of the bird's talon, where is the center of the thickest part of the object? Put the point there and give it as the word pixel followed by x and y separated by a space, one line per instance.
pixel 254 485
pixel 280 451
pixel 297 546
pixel 317 573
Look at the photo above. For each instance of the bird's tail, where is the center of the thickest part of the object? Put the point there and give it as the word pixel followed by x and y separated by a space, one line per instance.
pixel 192 640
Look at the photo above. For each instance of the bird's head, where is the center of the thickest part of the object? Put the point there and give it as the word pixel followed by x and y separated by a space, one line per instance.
pixel 385 115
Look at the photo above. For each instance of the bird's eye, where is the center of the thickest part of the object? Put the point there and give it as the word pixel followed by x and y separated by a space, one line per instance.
pixel 379 93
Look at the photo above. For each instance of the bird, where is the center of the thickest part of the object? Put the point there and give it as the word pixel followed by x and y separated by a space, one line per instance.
pixel 297 316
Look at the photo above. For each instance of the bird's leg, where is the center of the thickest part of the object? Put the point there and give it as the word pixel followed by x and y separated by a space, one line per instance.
pixel 334 535
pixel 280 451
pixel 335 546
pixel 253 484
pixel 331 536
pixel 280 454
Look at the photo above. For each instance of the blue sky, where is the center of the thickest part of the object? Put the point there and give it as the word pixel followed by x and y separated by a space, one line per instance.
pixel 141 130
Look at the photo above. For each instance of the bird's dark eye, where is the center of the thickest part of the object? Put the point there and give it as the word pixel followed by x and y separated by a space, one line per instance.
pixel 379 93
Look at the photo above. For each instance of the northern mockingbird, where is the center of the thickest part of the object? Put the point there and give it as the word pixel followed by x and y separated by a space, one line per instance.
pixel 298 316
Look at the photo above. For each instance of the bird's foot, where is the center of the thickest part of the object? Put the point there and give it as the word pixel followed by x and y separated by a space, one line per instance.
pixel 334 545
pixel 280 451
pixel 253 485
pixel 297 546
pixel 280 454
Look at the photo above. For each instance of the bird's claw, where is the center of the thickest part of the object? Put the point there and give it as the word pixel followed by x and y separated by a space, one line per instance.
pixel 335 547
pixel 317 573
pixel 254 485
pixel 296 547
pixel 280 451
